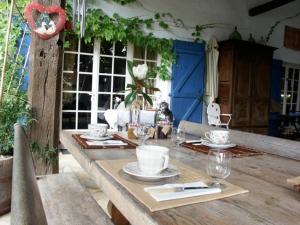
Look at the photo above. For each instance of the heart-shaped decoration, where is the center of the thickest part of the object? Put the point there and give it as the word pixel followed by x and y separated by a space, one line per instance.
pixel 44 27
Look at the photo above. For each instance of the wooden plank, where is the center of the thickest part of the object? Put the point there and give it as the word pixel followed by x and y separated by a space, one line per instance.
pixel 269 201
pixel 267 7
pixel 44 91
pixel 67 202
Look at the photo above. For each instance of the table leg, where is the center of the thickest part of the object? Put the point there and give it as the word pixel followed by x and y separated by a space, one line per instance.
pixel 116 216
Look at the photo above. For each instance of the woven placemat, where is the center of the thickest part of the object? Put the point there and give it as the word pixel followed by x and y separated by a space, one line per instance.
pixel 187 174
pixel 237 151
pixel 83 143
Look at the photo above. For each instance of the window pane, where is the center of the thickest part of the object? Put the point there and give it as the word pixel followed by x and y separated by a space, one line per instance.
pixel 282 84
pixel 85 82
pixel 101 118
pixel 73 43
pixel 103 102
pixel 106 48
pixel 83 120
pixel 105 65
pixel 289 85
pixel 68 120
pixel 84 102
pixel 86 63
pixel 296 75
pixel 151 55
pixel 139 52
pixel 293 108
pixel 69 101
pixel 120 49
pixel 295 95
pixel 119 84
pixel 69 81
pixel 151 64
pixel 117 99
pixel 104 83
pixel 137 62
pixel 70 62
pixel 290 74
pixel 88 48
pixel 296 83
pixel 120 66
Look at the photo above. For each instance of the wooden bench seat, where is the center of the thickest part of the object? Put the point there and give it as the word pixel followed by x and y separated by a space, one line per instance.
pixel 54 199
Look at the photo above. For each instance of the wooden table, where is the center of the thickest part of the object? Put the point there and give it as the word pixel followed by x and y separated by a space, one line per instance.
pixel 270 200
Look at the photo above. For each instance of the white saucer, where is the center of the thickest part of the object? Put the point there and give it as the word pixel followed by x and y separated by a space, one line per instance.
pixel 133 170
pixel 223 146
pixel 92 138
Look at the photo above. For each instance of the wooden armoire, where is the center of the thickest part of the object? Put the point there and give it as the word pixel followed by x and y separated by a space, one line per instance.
pixel 245 84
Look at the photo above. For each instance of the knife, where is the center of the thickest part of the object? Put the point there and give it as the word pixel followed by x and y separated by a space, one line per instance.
pixel 178 189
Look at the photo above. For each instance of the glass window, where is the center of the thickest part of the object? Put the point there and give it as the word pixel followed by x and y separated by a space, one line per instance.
pixel 290 96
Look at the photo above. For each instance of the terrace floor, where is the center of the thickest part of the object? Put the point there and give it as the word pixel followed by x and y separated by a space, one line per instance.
pixel 69 164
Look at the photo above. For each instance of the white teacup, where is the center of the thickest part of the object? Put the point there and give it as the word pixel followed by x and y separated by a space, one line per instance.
pixel 98 129
pixel 218 136
pixel 152 159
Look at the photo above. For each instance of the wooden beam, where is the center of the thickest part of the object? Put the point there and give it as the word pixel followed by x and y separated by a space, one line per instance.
pixel 268 6
pixel 45 90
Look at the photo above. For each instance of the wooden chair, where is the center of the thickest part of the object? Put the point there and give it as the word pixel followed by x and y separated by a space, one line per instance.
pixel 52 199
pixel 214 116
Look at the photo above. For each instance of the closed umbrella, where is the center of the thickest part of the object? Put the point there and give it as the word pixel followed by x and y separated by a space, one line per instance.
pixel 212 75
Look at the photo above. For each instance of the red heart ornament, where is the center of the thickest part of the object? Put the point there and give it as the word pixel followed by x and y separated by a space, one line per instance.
pixel 45 35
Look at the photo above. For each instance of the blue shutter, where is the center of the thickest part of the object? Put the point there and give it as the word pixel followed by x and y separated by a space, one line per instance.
pixel 187 85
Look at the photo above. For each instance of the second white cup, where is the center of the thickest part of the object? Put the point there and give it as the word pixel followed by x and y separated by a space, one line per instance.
pixel 218 136
pixel 98 129
pixel 152 159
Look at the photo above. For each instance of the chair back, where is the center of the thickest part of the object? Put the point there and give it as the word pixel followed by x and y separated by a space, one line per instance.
pixel 26 204
pixel 213 114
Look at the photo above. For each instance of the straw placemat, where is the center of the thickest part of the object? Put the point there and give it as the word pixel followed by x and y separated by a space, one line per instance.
pixel 237 151
pixel 188 174
pixel 83 143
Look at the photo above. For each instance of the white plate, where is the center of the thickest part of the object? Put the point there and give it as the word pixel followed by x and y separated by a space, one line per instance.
pixel 223 146
pixel 134 170
pixel 92 138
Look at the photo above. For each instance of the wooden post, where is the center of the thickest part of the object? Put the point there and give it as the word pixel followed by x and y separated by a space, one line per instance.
pixel 45 91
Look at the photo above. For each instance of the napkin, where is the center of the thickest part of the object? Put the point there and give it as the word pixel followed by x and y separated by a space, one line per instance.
pixel 106 143
pixel 194 141
pixel 164 195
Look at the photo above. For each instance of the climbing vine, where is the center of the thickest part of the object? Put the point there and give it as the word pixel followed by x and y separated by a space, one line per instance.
pixel 99 25
pixel 117 28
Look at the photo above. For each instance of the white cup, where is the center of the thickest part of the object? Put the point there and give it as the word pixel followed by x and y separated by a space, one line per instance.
pixel 218 136
pixel 152 159
pixel 98 129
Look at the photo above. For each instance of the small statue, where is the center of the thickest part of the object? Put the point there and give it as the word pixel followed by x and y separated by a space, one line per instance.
pixel 164 113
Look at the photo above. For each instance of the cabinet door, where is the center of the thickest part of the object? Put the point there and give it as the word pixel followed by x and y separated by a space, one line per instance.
pixel 261 90
pixel 242 89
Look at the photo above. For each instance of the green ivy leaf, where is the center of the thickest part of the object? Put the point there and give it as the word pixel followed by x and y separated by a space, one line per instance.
pixel 147 98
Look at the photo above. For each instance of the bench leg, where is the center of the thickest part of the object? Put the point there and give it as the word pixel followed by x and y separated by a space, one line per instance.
pixel 116 216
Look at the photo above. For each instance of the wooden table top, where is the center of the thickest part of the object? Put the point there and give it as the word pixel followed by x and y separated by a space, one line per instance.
pixel 270 200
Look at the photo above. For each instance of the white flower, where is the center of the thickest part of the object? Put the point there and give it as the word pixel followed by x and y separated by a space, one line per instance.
pixel 140 71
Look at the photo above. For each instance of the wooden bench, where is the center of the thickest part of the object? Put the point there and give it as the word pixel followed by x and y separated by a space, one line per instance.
pixel 53 199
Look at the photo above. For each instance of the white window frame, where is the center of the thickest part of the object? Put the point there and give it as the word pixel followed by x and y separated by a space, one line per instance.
pixel 286 92
pixel 95 79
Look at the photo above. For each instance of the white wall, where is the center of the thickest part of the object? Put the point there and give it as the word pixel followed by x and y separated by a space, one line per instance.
pixel 228 13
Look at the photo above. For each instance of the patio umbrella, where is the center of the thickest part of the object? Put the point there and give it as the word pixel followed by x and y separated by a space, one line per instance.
pixel 212 76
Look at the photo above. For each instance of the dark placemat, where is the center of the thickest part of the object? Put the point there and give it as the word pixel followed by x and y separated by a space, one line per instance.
pixel 237 151
pixel 83 143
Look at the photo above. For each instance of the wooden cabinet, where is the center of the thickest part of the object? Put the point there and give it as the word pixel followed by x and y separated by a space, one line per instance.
pixel 245 84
